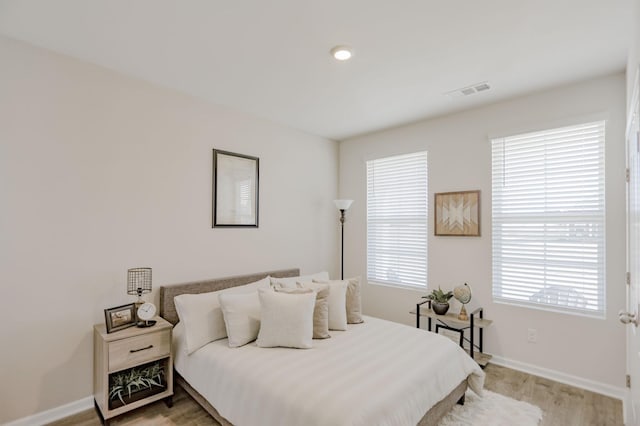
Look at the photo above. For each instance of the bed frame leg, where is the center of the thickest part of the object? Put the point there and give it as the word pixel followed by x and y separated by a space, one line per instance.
pixel 461 400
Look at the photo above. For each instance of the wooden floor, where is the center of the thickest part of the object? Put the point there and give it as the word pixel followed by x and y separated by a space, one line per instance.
pixel 563 405
pixel 185 411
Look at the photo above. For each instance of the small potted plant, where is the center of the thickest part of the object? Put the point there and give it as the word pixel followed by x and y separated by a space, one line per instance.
pixel 440 301
pixel 135 383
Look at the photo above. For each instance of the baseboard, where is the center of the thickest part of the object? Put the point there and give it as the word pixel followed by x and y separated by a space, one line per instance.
pixel 54 414
pixel 568 379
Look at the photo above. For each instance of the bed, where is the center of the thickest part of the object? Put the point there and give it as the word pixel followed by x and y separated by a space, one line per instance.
pixel 378 372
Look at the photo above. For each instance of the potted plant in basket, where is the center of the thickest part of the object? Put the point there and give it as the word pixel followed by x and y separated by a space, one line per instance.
pixel 440 301
pixel 135 383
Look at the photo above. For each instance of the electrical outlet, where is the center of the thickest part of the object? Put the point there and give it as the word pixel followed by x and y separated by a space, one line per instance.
pixel 532 335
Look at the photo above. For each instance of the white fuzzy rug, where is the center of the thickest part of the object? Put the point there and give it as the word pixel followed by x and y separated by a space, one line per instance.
pixel 492 409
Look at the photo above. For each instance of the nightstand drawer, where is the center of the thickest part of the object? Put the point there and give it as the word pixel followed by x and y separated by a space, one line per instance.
pixel 136 350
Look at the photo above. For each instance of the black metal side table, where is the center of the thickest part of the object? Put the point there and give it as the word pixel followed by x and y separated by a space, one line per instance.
pixel 451 322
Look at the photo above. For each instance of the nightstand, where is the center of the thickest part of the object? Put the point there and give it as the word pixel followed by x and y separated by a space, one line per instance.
pixel 451 322
pixel 131 368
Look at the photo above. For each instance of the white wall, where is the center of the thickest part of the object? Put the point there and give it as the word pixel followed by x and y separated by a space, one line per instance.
pixel 633 60
pixel 459 158
pixel 100 173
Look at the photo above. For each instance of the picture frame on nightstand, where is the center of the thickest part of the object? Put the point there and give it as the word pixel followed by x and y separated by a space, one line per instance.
pixel 120 317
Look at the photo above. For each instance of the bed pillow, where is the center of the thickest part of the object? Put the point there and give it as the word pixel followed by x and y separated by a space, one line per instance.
pixel 337 301
pixel 320 310
pixel 241 314
pixel 177 337
pixel 290 282
pixel 353 300
pixel 286 319
pixel 202 317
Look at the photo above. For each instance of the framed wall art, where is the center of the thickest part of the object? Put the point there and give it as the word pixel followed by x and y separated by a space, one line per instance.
pixel 457 214
pixel 120 317
pixel 235 189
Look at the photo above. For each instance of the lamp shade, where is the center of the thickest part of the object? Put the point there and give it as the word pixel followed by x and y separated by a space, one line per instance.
pixel 343 204
pixel 138 281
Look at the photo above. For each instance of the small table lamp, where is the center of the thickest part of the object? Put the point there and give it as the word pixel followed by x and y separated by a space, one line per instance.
pixel 139 282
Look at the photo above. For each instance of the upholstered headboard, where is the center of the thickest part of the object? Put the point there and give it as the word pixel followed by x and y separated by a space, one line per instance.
pixel 167 293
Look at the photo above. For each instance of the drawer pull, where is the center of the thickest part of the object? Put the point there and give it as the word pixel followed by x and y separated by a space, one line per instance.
pixel 141 349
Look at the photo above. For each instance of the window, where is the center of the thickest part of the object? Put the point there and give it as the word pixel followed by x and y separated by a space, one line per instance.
pixel 548 221
pixel 397 220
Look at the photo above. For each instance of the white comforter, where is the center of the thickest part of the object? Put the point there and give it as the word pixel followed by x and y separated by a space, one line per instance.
pixel 376 373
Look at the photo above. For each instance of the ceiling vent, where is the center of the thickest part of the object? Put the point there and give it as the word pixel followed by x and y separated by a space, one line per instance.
pixel 469 90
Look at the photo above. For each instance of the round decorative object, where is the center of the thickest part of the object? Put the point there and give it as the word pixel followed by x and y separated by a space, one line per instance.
pixel 146 311
pixel 440 308
pixel 462 294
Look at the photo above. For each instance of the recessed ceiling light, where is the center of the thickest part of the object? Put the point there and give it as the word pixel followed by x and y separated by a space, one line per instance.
pixel 341 53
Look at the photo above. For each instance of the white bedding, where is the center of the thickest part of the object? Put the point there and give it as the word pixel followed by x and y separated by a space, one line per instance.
pixel 375 373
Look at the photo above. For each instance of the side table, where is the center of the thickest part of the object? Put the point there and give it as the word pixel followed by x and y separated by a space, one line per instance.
pixel 131 368
pixel 451 322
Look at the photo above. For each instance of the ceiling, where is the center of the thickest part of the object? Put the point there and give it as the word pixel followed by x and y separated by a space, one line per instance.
pixel 271 58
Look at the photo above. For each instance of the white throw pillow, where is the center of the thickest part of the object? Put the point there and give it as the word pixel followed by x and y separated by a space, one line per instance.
pixel 286 319
pixel 321 310
pixel 353 302
pixel 202 316
pixel 290 282
pixel 177 337
pixel 337 302
pixel 241 316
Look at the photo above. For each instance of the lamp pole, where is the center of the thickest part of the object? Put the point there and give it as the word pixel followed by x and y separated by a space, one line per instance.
pixel 342 217
pixel 343 206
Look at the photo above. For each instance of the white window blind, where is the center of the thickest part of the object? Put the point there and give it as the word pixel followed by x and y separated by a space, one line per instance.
pixel 397 220
pixel 548 226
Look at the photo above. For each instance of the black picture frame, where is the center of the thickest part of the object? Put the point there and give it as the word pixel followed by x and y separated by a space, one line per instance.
pixel 120 317
pixel 235 190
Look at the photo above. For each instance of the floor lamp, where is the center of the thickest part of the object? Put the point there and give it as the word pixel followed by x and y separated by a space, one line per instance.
pixel 343 206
